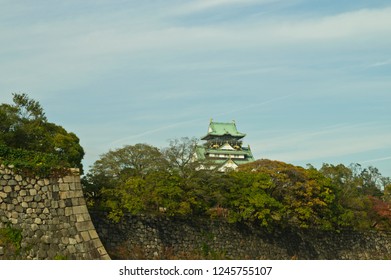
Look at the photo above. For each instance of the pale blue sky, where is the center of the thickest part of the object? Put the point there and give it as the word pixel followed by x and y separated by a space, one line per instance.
pixel 308 81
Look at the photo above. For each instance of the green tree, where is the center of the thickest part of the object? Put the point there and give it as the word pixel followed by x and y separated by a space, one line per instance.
pixel 114 168
pixel 23 125
pixel 306 196
pixel 354 188
pixel 180 154
pixel 248 199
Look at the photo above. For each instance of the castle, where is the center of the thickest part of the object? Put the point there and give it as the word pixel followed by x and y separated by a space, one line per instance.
pixel 223 148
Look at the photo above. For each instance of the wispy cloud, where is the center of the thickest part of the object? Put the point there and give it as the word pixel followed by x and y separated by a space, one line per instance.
pixel 376 160
pixel 380 63
pixel 202 5
pixel 329 142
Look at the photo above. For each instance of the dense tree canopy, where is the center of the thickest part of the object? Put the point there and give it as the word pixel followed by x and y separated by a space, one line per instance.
pixel 267 193
pixel 24 127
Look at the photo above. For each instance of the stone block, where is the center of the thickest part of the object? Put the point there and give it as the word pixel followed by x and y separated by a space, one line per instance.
pixel 45 239
pixel 78 194
pixel 41 183
pixel 71 179
pixel 83 226
pixel 32 192
pixel 64 187
pixel 72 241
pixel 42 254
pixel 79 209
pixel 68 202
pixel 96 243
pixel 65 240
pixel 34 227
pixel 3 195
pixel 85 235
pixel 23 193
pixel 75 201
pixel 38 221
pixel 3 182
pixel 54 195
pixel 12 182
pixel 93 234
pixel 71 249
pixel 54 204
pixel 7 189
pixel 28 198
pixel 61 204
pixel 70 194
pixel 60 212
pixel 80 218
pixel 68 211
pixel 63 195
pixel 18 178
pixel 47 202
pixel 78 238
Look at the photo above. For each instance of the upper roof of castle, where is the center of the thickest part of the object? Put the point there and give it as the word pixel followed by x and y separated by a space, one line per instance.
pixel 222 129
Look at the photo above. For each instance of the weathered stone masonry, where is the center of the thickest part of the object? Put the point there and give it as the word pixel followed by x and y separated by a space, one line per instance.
pixel 52 216
pixel 146 237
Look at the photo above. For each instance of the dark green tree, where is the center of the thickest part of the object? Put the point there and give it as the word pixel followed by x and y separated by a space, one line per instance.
pixel 114 168
pixel 23 125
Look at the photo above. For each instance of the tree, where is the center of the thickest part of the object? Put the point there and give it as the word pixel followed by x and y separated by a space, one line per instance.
pixel 380 213
pixel 114 168
pixel 23 125
pixel 180 154
pixel 306 196
pixel 358 191
pixel 248 199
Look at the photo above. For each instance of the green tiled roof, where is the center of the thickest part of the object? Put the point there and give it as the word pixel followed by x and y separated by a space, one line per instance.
pixel 221 129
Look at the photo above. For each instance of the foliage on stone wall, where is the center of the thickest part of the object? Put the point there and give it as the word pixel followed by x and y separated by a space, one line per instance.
pixel 10 242
pixel 30 142
pixel 265 192
pixel 32 163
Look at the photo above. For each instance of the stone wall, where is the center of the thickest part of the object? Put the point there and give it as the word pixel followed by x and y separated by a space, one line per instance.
pixel 50 214
pixel 141 237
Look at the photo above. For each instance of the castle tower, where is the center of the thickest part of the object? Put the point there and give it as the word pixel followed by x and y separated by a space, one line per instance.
pixel 223 148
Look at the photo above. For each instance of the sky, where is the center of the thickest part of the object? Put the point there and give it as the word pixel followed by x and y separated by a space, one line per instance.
pixel 307 81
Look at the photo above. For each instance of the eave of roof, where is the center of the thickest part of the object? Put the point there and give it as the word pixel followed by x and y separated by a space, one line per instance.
pixel 222 129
